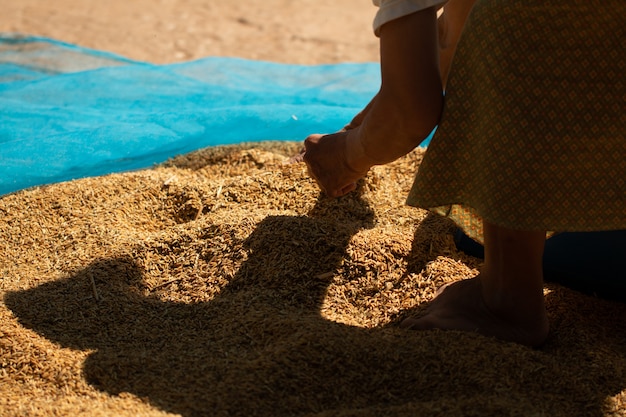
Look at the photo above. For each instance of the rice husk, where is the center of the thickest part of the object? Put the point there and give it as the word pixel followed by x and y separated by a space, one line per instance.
pixel 222 283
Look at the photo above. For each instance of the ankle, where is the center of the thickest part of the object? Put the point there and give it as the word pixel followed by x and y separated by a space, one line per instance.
pixel 521 308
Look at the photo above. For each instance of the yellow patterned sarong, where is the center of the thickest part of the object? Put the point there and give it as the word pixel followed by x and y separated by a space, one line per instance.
pixel 533 132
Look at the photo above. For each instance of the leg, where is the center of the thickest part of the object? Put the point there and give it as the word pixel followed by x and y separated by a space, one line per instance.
pixel 589 262
pixel 505 300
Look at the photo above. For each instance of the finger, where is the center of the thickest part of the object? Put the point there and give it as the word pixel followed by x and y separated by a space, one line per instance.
pixel 421 323
pixel 296 158
pixel 314 177
pixel 348 188
pixel 339 192
pixel 312 139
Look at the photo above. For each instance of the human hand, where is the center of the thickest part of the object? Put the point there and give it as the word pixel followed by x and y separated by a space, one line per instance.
pixel 332 160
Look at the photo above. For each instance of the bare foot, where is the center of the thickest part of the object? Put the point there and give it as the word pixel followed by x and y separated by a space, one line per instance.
pixel 461 306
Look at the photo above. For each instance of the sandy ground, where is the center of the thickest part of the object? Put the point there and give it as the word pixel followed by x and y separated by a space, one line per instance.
pixel 163 31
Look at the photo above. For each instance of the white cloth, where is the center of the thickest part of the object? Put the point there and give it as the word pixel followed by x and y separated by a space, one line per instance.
pixel 393 9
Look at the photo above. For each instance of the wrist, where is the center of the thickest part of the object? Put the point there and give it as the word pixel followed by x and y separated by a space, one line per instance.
pixel 357 158
pixel 397 124
pixel 382 143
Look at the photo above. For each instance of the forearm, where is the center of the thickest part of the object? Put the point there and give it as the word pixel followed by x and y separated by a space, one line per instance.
pixel 358 119
pixel 408 105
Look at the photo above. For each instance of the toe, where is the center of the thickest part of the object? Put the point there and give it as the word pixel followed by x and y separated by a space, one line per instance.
pixel 417 323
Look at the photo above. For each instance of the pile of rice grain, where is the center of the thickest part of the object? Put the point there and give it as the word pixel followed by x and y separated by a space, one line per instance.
pixel 223 284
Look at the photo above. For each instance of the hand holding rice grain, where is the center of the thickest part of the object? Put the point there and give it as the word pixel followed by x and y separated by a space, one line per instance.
pixel 336 161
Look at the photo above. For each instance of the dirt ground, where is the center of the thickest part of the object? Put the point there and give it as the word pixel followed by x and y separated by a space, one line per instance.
pixel 164 31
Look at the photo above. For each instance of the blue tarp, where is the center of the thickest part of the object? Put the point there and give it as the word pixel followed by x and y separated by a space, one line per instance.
pixel 68 112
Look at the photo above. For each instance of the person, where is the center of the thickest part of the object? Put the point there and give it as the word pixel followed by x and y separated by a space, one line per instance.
pixel 528 98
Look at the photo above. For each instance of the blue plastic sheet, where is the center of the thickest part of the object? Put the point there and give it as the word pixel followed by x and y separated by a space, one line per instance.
pixel 68 112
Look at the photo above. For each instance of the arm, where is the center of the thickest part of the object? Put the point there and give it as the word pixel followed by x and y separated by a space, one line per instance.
pixel 358 119
pixel 451 24
pixel 410 99
pixel 403 113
